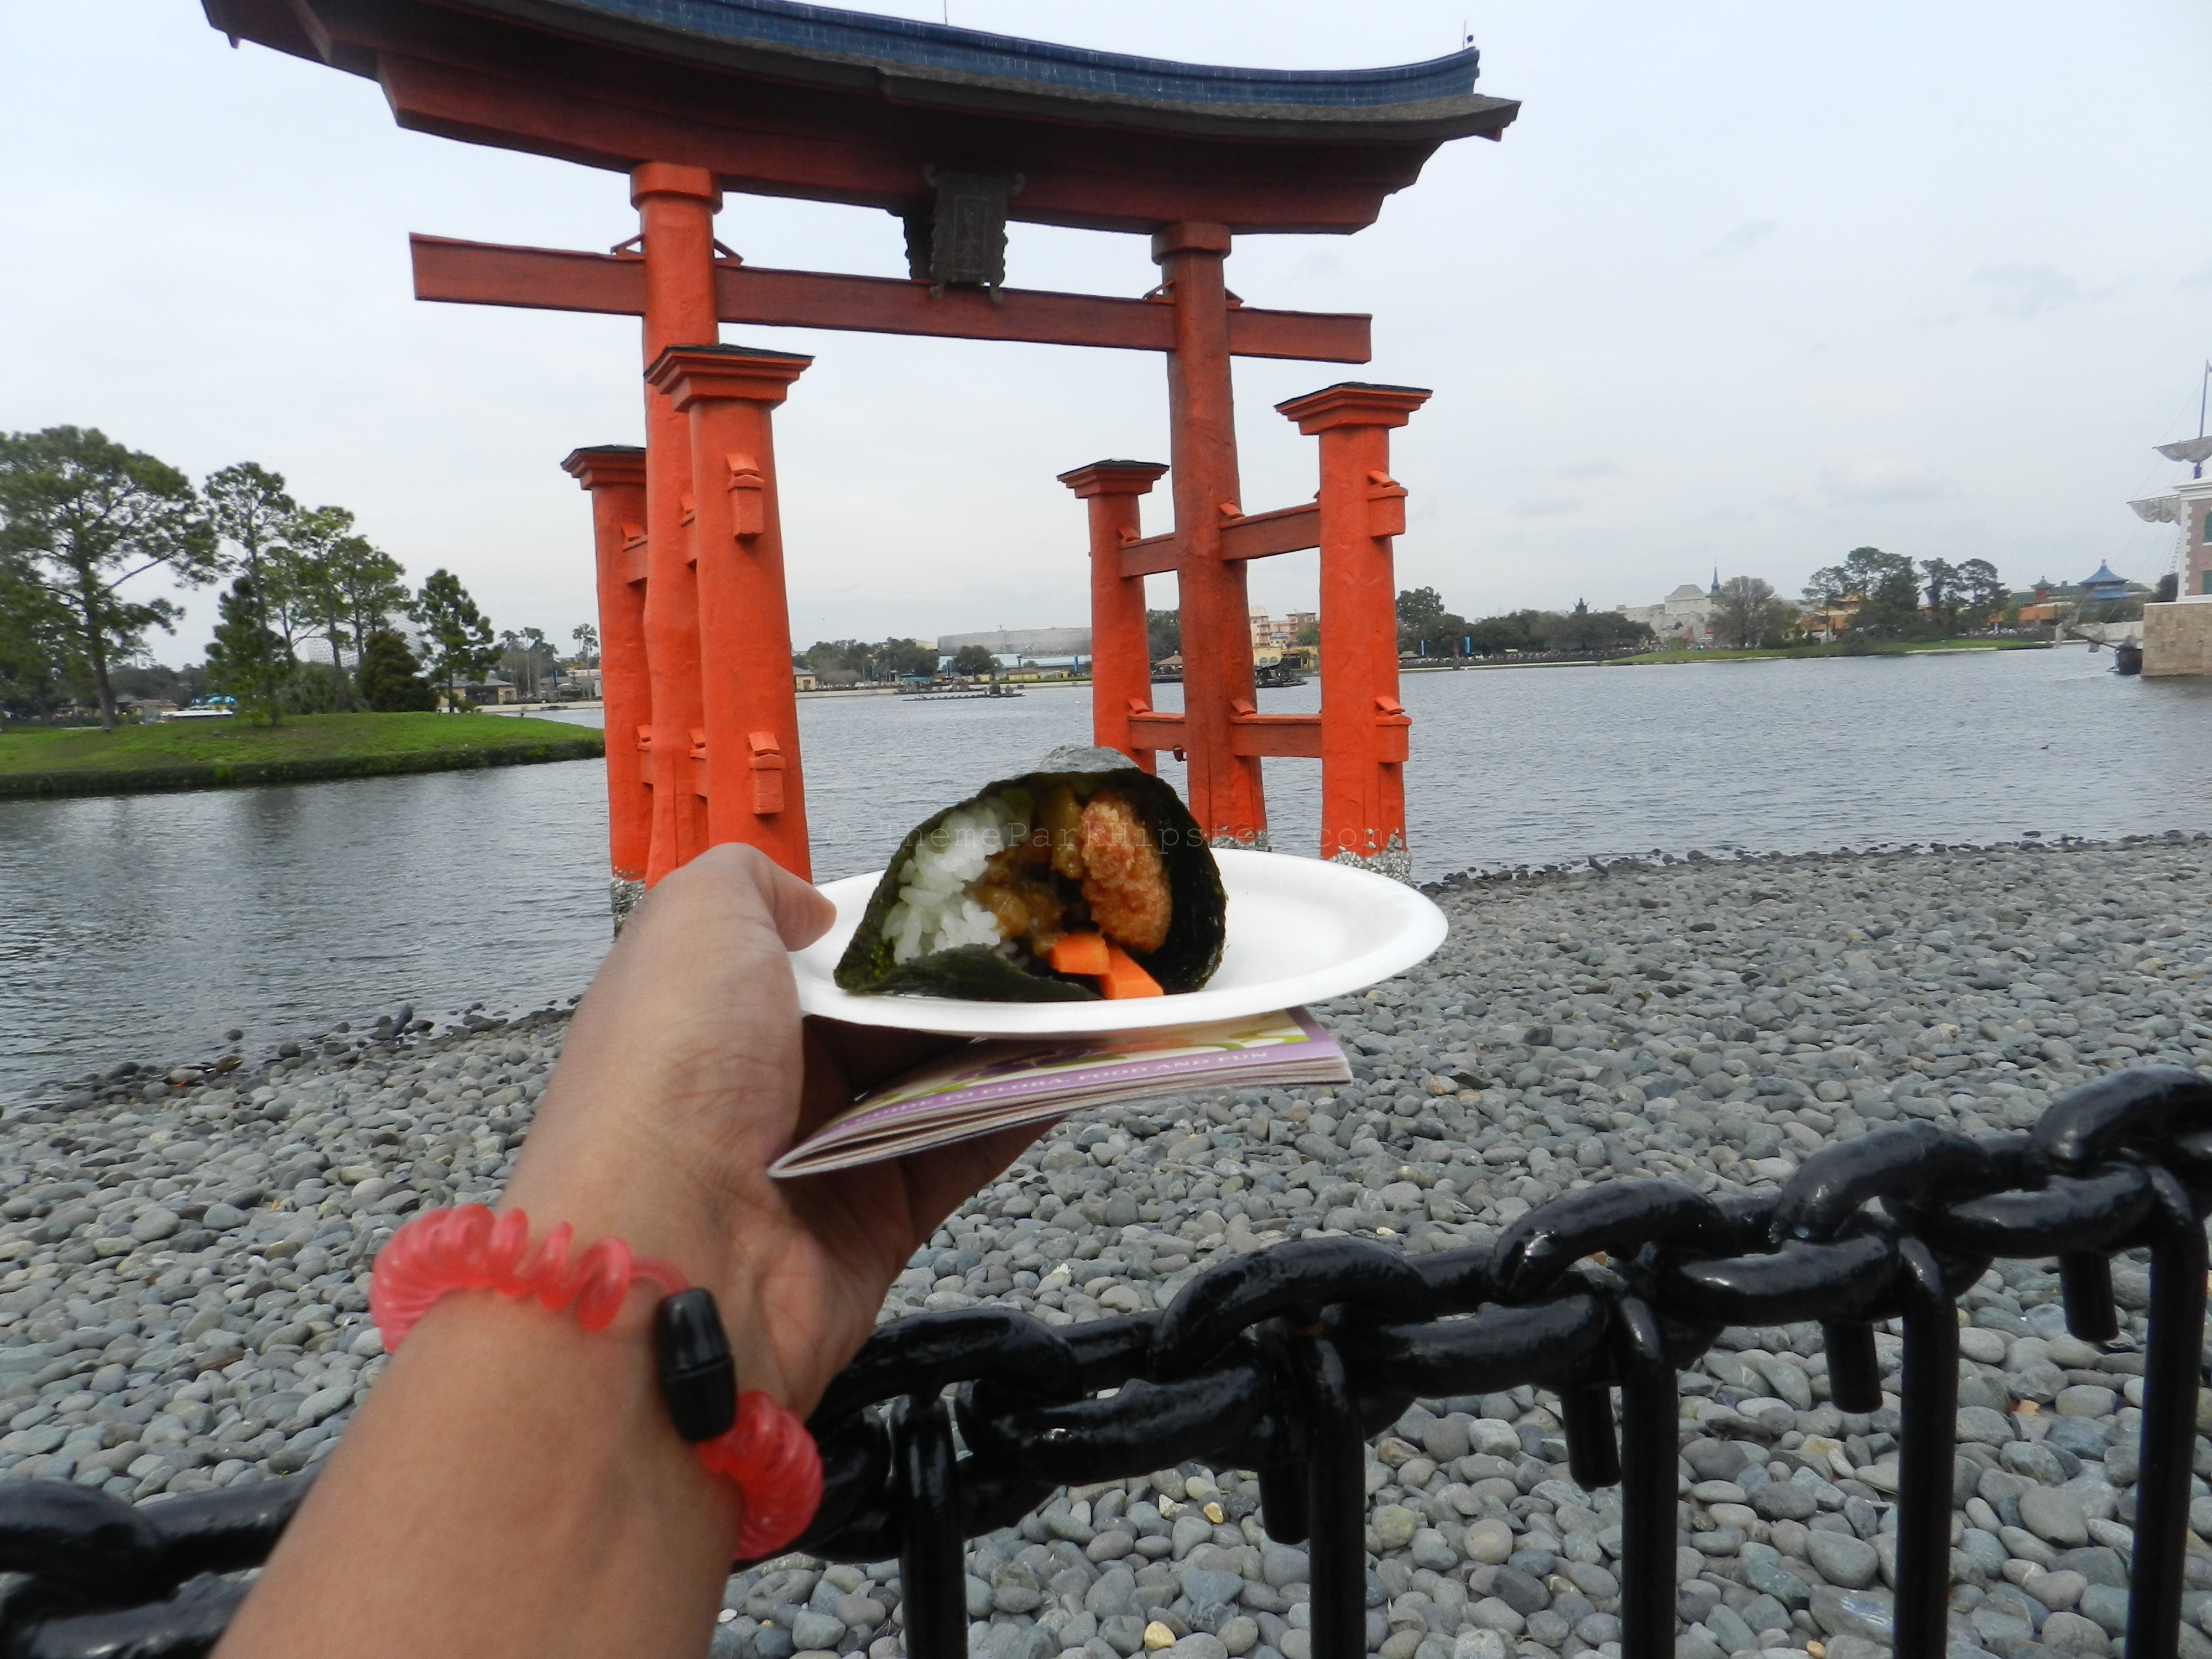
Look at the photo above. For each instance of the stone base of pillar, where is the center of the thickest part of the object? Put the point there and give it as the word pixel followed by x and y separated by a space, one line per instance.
pixel 622 896
pixel 1254 842
pixel 1395 862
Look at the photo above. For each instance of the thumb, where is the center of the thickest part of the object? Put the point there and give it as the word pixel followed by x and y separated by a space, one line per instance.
pixel 800 912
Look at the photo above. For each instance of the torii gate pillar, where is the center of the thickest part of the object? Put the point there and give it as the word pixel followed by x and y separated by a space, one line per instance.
pixel 1121 650
pixel 1363 728
pixel 615 476
pixel 750 725
pixel 676 208
pixel 1225 794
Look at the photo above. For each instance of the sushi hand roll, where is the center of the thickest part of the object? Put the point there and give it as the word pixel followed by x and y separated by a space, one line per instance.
pixel 1088 878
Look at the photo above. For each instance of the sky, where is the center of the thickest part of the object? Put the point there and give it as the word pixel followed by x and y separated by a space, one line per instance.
pixel 1744 286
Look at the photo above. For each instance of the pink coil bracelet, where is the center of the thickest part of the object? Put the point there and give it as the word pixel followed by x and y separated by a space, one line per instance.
pixel 751 1440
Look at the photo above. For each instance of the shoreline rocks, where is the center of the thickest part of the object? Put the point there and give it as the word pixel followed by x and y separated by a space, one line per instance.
pixel 182 1279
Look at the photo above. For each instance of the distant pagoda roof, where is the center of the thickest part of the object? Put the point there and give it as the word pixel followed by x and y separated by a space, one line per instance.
pixel 2104 578
pixel 787 99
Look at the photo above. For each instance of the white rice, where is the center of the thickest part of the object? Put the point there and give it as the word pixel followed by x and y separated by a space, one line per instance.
pixel 934 912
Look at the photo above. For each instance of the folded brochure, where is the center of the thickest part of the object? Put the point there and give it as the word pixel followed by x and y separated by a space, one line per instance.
pixel 995 1085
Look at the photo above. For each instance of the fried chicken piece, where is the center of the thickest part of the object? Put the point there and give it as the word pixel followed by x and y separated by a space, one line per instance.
pixel 1124 882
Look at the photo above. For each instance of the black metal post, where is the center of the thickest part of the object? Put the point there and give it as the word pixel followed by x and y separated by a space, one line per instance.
pixel 1649 1398
pixel 1854 1369
pixel 931 1575
pixel 2169 1421
pixel 1586 1414
pixel 1926 1449
pixel 2086 1281
pixel 1336 1498
pixel 1284 1510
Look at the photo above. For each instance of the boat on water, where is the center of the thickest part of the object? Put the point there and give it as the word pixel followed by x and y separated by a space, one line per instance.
pixel 966 694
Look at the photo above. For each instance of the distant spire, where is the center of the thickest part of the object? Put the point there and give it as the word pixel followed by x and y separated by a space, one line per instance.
pixel 1714 591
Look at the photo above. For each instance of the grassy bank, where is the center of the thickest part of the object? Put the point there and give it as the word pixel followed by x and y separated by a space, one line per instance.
pixel 1858 649
pixel 219 755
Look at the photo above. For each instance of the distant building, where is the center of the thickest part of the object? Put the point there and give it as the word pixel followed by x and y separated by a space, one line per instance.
pixel 2049 602
pixel 1020 643
pixel 2105 586
pixel 318 650
pixel 802 679
pixel 1684 618
pixel 1273 632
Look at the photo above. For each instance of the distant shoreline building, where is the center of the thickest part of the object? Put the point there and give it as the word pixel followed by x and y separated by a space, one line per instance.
pixel 1033 642
pixel 1684 618
pixel 1278 633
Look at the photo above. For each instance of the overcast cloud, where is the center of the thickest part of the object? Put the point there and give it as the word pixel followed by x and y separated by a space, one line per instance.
pixel 1745 286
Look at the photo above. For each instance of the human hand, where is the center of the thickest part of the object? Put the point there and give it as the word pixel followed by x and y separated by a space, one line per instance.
pixel 686 1072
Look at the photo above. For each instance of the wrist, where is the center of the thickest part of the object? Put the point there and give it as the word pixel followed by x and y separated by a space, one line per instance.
pixel 605 1423
pixel 744 1435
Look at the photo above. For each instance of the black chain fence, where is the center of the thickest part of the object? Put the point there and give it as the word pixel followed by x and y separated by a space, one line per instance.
pixel 1287 1360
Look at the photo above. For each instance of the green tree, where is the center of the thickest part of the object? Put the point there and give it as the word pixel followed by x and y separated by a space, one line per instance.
pixel 1945 585
pixel 2168 585
pixel 1883 586
pixel 320 550
pixel 249 508
pixel 1493 636
pixel 458 633
pixel 33 647
pixel 1982 594
pixel 1747 610
pixel 388 680
pixel 246 659
pixel 526 658
pixel 374 586
pixel 1890 607
pixel 83 515
pixel 1420 613
pixel 1163 634
pixel 973 660
pixel 1831 584
pixel 896 657
pixel 587 636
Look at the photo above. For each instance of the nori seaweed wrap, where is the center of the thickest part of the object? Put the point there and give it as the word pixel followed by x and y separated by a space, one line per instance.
pixel 978 894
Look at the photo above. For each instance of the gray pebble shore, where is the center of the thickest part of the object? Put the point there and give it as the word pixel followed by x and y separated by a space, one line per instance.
pixel 184 1263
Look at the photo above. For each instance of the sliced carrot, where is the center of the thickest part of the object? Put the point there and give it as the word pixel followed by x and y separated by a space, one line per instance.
pixel 1124 978
pixel 1079 953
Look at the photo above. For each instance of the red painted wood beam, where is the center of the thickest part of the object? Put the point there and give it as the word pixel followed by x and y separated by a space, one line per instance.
pixel 1262 535
pixel 1154 556
pixel 552 279
pixel 1255 536
pixel 1271 736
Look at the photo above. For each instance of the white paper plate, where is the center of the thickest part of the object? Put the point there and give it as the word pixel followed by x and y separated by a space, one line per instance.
pixel 1299 930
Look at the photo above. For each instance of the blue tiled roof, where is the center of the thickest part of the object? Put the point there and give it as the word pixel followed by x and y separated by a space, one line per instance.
pixel 895 42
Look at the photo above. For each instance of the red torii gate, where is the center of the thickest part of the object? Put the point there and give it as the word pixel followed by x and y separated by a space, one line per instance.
pixel 956 133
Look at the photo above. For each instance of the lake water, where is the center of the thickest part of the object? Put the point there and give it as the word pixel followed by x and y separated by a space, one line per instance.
pixel 143 927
